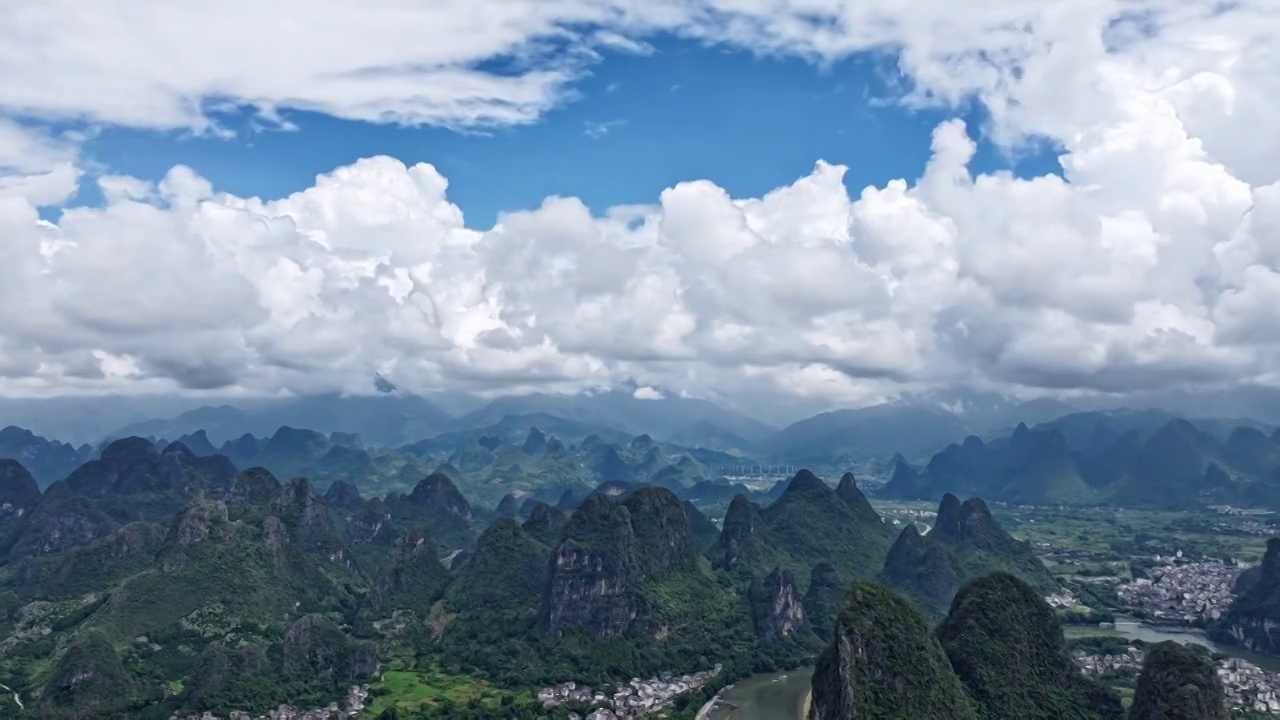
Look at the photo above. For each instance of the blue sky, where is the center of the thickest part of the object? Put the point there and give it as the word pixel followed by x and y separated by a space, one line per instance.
pixel 639 124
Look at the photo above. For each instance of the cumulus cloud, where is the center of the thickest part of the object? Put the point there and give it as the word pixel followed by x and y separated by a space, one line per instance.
pixel 1153 260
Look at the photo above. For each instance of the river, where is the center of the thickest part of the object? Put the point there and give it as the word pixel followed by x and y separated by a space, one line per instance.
pixel 769 696
pixel 1135 630
pixel 781 696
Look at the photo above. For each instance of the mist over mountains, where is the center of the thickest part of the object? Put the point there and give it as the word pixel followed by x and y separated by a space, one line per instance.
pixel 913 424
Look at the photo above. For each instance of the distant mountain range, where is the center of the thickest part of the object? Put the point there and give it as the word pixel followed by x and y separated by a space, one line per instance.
pixel 1122 458
pixel 1117 457
pixel 914 425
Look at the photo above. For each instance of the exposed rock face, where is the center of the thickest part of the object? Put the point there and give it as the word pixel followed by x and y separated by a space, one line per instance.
pixel 306 517
pixel 1006 645
pixel 1177 684
pixel 545 524
pixel 776 609
pixel 18 491
pixel 702 532
pixel 371 523
pixel 1253 620
pixel 138 538
pixel 197 521
pixel 61 521
pixel 884 663
pixel 594 573
pixel 316 648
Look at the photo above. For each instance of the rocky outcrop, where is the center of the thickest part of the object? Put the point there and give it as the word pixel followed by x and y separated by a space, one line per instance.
pixel 1177 683
pixel 884 662
pixel 1253 620
pixel 198 521
pixel 595 576
pixel 306 517
pixel 776 609
pixel 316 648
pixel 702 532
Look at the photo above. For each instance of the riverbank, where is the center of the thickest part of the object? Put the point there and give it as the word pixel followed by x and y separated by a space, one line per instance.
pixel 768 696
pixel 1137 630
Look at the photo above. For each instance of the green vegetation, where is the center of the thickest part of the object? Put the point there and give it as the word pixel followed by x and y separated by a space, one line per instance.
pixel 885 663
pixel 1177 684
pixel 1007 647
pixel 966 543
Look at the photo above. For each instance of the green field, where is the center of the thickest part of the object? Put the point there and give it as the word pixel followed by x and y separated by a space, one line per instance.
pixel 410 689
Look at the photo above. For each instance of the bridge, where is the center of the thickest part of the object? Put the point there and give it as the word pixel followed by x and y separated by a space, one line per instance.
pixel 747 470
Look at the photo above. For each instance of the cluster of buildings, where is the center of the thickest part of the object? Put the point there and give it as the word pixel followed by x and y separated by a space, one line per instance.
pixel 1105 664
pixel 1249 687
pixel 1183 594
pixel 1062 600
pixel 352 706
pixel 1246 686
pixel 628 700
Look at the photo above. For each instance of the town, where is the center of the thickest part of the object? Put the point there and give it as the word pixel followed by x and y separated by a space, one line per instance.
pixel 1181 593
pixel 628 700
pixel 1246 686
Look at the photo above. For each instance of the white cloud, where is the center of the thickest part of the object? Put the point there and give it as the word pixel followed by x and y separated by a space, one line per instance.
pixel 1154 262
pixel 647 393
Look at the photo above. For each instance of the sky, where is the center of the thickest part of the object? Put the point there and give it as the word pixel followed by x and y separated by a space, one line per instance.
pixel 752 201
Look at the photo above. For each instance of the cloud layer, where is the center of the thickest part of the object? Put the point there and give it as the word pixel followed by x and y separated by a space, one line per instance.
pixel 1155 262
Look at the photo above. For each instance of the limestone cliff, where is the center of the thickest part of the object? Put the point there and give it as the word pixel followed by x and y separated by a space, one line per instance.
pixel 776 609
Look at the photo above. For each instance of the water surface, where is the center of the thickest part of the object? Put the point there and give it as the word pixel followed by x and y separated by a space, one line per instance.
pixel 1135 630
pixel 768 696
